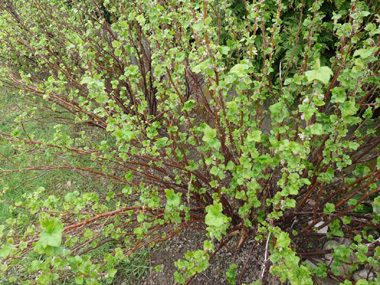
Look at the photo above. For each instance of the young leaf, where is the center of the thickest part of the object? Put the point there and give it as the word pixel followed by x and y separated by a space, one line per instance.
pixel 231 274
pixel 239 70
pixel 321 74
pixel 348 108
pixel 214 216
pixel 52 233
pixel 209 133
pixel 173 199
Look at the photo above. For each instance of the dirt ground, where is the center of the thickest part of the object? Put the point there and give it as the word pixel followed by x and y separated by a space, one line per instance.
pixel 192 240
pixel 177 247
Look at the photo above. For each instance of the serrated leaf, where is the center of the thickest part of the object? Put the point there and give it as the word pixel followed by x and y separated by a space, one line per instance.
pixel 173 200
pixel 239 69
pixel 329 208
pixel 363 53
pixel 112 272
pixel 214 216
pixel 197 27
pixel 376 206
pixel 132 69
pixel 116 44
pixel 86 80
pixel 79 279
pixel 283 240
pixel 5 250
pixel 140 19
pixel 307 110
pixel 254 136
pixel 225 49
pixel 52 233
pixel 348 108
pixel 321 74
pixel 207 245
pixel 118 52
pixel 288 81
pixel 208 20
pixel 209 133
pixel 339 95
pixel 231 273
pixel 317 129
pixel 232 107
pixel 368 113
pixel 277 109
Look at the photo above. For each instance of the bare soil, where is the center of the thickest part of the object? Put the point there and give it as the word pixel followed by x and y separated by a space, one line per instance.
pixel 191 240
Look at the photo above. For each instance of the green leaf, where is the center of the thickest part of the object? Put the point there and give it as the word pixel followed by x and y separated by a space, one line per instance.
pixel 348 108
pixel 316 129
pixel 86 80
pixel 118 52
pixel 376 206
pixel 254 136
pixel 140 19
pixel 283 240
pixel 330 208
pixel 198 68
pixel 116 44
pixel 232 107
pixel 363 53
pixel 214 216
pixel 307 110
pixel 368 113
pixel 129 176
pixel 240 70
pixel 336 230
pixel 321 74
pixel 112 272
pixel 79 279
pixel 132 69
pixel 338 95
pixel 52 233
pixel 209 134
pixel 189 104
pixel 197 27
pixel 277 109
pixel 301 276
pixel 5 250
pixel 173 199
pixel 346 220
pixel 208 20
pixel 207 245
pixel 231 273
pixel 288 81
pixel 225 49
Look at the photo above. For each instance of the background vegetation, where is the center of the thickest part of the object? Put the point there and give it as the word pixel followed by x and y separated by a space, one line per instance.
pixel 127 122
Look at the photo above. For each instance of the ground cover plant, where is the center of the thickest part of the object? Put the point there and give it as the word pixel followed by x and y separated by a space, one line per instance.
pixel 245 120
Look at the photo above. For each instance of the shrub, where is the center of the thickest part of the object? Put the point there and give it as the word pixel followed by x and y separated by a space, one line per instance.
pixel 250 120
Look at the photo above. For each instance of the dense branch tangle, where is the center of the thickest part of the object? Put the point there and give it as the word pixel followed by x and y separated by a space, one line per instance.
pixel 195 110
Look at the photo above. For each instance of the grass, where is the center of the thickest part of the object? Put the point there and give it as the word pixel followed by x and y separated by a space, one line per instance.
pixel 55 181
pixel 19 117
pixel 133 269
